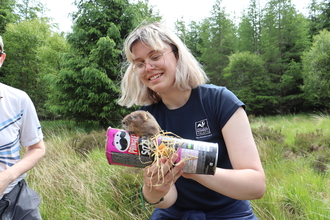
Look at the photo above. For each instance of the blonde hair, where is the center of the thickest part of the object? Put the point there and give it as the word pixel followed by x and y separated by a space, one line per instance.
pixel 189 73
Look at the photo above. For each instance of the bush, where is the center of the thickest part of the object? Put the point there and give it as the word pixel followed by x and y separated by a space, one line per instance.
pixel 310 142
pixel 268 134
pixel 316 144
pixel 85 143
pixel 322 161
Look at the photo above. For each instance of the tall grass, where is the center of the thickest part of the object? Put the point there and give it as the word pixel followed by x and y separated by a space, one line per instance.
pixel 295 189
pixel 75 186
pixel 82 185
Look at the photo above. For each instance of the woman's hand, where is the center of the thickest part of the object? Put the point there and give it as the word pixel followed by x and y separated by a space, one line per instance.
pixel 159 180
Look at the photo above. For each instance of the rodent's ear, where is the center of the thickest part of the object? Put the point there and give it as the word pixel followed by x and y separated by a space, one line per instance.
pixel 148 115
pixel 144 116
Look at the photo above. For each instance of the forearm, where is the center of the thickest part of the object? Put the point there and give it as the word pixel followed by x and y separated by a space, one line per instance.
pixel 242 184
pixel 246 179
pixel 33 155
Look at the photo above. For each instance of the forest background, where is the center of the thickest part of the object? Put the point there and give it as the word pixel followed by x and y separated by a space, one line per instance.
pixel 276 59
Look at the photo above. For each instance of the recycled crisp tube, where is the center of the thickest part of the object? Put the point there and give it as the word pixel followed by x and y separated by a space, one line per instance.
pixel 124 149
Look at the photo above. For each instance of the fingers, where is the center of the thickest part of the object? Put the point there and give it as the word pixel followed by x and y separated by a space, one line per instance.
pixel 163 173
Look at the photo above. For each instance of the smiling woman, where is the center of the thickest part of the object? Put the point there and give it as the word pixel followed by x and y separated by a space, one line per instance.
pixel 179 73
pixel 171 86
pixel 158 74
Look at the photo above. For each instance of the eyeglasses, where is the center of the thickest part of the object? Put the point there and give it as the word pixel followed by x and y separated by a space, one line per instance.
pixel 156 61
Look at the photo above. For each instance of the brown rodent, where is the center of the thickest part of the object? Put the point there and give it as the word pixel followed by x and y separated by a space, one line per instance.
pixel 141 123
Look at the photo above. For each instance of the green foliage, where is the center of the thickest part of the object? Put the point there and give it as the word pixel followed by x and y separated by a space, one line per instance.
pixel 247 78
pixel 300 193
pixel 283 30
pixel 191 36
pixel 87 87
pixel 296 184
pixel 142 12
pixel 218 42
pixel 75 187
pixel 31 47
pixel 309 142
pixel 50 56
pixel 291 82
pixel 284 38
pixel 29 9
pixel 295 137
pixel 7 14
pixel 268 134
pixel 249 29
pixel 278 34
pixel 22 67
pixel 316 71
pixel 319 16
pixel 246 41
pixel 322 160
pixel 83 144
pixel 77 76
pixel 56 128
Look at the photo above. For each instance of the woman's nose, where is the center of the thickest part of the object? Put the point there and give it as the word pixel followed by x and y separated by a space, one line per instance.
pixel 149 66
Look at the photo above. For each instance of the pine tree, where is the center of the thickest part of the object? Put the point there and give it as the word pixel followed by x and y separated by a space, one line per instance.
pixel 283 40
pixel 88 84
pixel 219 40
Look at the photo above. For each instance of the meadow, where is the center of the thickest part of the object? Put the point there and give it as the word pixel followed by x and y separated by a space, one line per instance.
pixel 75 180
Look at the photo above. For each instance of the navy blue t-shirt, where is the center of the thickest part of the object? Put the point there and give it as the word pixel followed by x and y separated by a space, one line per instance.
pixel 202 118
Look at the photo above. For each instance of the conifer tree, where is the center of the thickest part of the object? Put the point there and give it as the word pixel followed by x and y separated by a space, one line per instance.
pixel 88 84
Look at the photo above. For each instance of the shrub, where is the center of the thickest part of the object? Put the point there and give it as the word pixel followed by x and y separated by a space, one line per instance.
pixel 316 144
pixel 310 142
pixel 268 134
pixel 322 161
pixel 85 143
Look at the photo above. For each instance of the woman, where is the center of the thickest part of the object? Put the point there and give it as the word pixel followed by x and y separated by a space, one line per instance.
pixel 166 79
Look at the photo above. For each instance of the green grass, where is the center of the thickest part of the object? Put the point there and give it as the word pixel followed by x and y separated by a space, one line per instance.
pixel 73 186
pixel 290 125
pixel 295 188
pixel 82 185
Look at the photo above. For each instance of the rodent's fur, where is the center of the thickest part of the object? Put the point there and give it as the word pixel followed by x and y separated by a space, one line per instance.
pixel 141 123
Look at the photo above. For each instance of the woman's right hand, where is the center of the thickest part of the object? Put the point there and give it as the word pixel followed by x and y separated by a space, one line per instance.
pixel 159 180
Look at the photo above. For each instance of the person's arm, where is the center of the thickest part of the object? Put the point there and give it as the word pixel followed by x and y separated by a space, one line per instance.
pixel 33 155
pixel 246 181
pixel 159 182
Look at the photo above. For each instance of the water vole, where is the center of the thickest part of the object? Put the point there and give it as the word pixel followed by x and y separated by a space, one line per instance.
pixel 141 123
